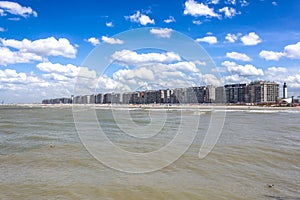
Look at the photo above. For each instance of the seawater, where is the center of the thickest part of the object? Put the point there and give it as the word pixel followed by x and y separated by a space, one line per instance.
pixel 256 157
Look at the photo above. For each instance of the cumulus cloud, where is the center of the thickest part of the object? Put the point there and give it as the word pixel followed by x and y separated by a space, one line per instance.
pixel 229 12
pixel 172 75
pixel 69 76
pixel 185 66
pixel 11 76
pixel 148 69
pixel 197 22
pixel 140 18
pixel 170 20
pixel 271 55
pixel 214 1
pixel 2 29
pixel 199 63
pixel 10 79
pixel 15 9
pixel 109 24
pixel 244 3
pixel 251 39
pixel 275 71
pixel 208 39
pixel 127 57
pixel 233 2
pixel 232 37
pixel 198 9
pixel 163 32
pixel 235 78
pixel 53 80
pixel 111 40
pixel 68 70
pixel 142 73
pixel 94 41
pixel 238 56
pixel 210 79
pixel 10 57
pixel 290 51
pixel 43 47
pixel 246 70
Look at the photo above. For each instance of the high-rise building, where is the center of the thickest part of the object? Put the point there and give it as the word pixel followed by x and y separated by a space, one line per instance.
pixel 262 92
pixel 235 93
pixel 220 96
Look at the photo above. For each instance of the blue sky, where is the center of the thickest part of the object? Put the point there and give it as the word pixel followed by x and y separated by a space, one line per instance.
pixel 44 45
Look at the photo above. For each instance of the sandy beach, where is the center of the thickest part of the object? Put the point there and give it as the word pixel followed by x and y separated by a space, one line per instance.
pixel 157 106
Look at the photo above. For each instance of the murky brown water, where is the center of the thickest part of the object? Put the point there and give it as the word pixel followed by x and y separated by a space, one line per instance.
pixel 41 157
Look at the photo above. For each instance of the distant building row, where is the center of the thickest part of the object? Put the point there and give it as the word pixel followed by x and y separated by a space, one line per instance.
pixel 258 92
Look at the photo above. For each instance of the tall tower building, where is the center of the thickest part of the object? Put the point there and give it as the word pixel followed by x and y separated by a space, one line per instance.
pixel 284 91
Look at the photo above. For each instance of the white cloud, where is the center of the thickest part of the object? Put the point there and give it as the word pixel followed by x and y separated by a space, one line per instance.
pixel 292 51
pixel 214 1
pixel 56 80
pixel 235 78
pixel 244 3
pixel 251 39
pixel 2 13
pixel 11 76
pixel 140 18
pixel 238 56
pixel 246 70
pixel 232 37
pixel 271 55
pixel 9 57
pixel 66 70
pixel 210 79
pixel 147 69
pixel 172 75
pixel 127 57
pixel 111 40
pixel 208 39
pixel 43 47
pixel 197 22
pixel 142 73
pixel 12 80
pixel 170 20
pixel 163 32
pixel 107 83
pixel 275 71
pixel 2 29
pixel 233 2
pixel 274 3
pixel 15 9
pixel 68 76
pixel 198 9
pixel 94 41
pixel 14 18
pixel 184 66
pixel 293 81
pixel 229 12
pixel 199 63
pixel 109 24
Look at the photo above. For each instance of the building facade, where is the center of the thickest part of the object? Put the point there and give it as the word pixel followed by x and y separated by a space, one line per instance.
pixel 258 92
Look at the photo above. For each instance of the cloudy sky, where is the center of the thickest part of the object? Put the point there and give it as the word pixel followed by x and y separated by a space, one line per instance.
pixel 46 45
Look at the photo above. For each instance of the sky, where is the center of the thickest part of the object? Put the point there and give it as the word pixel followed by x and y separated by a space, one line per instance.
pixel 50 47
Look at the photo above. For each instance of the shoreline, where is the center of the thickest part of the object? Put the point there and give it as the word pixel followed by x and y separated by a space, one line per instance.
pixel 153 106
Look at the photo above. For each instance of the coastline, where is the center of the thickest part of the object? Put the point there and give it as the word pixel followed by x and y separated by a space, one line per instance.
pixel 154 106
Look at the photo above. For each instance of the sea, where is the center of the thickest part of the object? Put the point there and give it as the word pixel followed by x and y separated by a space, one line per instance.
pixel 58 152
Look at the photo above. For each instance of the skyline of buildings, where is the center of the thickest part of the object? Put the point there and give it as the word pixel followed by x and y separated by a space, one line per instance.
pixel 256 92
